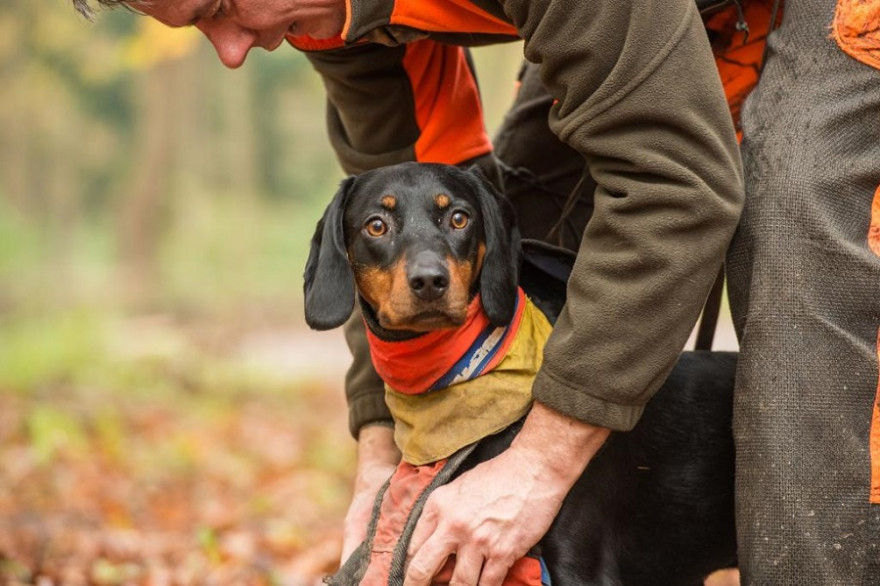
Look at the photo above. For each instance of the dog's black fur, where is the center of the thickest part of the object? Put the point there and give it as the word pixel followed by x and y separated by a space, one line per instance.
pixel 418 235
pixel 655 506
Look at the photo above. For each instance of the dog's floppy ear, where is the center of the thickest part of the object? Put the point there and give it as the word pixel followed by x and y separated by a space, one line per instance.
pixel 499 276
pixel 329 281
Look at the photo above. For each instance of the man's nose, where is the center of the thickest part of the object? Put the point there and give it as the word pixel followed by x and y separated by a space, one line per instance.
pixel 232 42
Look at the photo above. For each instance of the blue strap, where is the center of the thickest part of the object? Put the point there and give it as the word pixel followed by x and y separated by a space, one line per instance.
pixel 545 573
pixel 480 354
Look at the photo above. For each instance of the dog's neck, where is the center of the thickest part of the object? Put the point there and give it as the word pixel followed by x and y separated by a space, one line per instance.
pixel 415 362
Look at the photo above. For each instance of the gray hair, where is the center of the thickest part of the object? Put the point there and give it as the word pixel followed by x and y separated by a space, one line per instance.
pixel 84 8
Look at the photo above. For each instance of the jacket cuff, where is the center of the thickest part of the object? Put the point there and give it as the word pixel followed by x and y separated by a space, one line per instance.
pixel 364 390
pixel 574 402
pixel 368 409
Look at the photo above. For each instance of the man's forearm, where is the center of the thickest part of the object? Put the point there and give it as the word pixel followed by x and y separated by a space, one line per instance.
pixel 378 456
pixel 560 445
pixel 376 447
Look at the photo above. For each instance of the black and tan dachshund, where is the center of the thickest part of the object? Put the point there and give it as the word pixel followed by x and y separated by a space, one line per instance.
pixel 416 243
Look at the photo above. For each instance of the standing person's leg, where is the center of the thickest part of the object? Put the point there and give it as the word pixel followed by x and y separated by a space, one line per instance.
pixel 805 293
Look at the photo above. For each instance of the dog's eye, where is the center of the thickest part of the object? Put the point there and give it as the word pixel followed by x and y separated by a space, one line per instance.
pixel 376 227
pixel 459 220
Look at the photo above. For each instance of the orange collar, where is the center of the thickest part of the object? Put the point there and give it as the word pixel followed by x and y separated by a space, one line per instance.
pixel 440 358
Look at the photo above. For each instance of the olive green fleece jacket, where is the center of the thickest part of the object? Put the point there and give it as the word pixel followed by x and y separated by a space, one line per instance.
pixel 637 93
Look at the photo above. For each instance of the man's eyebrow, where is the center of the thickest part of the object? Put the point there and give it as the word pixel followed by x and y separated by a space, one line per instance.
pixel 200 12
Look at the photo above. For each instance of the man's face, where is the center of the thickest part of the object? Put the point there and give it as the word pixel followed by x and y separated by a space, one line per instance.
pixel 235 26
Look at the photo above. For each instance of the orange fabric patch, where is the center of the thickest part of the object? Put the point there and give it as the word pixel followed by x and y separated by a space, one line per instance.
pixel 874 244
pixel 406 486
pixel 449 16
pixel 874 228
pixel 857 30
pixel 448 109
pixel 310 44
pixel 739 58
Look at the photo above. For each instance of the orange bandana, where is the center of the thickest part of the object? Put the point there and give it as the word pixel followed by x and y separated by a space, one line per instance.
pixel 440 358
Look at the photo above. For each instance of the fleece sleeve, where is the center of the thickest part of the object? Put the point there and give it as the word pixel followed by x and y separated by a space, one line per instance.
pixel 638 94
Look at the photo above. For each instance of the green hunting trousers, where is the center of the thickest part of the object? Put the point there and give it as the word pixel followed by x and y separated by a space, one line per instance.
pixel 804 281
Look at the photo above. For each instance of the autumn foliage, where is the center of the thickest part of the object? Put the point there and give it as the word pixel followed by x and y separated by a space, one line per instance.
pixel 179 479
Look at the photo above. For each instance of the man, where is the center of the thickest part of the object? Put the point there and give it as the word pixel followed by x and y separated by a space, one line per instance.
pixel 642 145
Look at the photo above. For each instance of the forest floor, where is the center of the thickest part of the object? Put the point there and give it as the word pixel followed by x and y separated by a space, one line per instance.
pixel 182 462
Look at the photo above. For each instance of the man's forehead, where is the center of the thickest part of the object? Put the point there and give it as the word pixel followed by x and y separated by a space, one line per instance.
pixel 174 13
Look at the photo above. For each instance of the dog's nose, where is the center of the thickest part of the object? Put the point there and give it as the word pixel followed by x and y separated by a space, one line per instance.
pixel 428 278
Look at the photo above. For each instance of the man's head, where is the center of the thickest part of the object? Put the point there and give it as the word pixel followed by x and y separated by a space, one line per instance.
pixel 234 27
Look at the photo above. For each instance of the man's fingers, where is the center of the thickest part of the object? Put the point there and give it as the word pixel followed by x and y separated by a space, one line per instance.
pixel 426 527
pixel 493 574
pixel 468 565
pixel 427 561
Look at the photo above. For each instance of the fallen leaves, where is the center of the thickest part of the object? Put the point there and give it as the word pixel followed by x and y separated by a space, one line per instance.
pixel 112 486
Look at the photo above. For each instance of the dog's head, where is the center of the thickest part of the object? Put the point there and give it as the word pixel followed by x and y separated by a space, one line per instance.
pixel 417 242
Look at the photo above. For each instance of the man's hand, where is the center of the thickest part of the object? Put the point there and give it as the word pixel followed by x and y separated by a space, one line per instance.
pixel 378 456
pixel 492 515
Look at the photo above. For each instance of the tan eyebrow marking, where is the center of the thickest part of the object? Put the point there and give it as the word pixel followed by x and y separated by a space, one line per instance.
pixel 442 200
pixel 389 202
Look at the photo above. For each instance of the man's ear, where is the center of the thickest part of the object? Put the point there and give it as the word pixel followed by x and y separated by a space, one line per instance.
pixel 329 281
pixel 499 276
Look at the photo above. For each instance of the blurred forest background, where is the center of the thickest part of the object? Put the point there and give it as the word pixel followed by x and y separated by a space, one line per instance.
pixel 165 415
